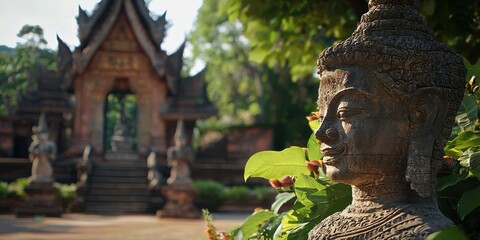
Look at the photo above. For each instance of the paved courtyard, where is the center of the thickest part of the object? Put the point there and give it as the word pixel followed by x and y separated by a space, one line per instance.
pixel 135 227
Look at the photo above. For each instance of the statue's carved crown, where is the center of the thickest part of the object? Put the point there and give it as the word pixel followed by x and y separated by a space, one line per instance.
pixel 393 38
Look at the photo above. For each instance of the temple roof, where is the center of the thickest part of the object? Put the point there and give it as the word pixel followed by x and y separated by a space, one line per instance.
pixel 93 30
pixel 46 96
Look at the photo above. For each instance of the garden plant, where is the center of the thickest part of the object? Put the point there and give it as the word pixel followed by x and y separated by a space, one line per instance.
pixel 297 174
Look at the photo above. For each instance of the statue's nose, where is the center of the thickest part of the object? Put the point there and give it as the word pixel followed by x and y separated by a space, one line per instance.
pixel 326 133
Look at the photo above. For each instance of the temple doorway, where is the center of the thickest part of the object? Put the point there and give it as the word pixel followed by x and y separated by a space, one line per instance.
pixel 121 119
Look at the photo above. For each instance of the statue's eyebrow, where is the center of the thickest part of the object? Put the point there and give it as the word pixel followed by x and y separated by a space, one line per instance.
pixel 350 90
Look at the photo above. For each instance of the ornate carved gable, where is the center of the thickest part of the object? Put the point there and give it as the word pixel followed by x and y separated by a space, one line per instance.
pixel 120 25
pixel 121 37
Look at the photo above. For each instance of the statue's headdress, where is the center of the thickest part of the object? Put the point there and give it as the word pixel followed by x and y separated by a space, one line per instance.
pixel 42 126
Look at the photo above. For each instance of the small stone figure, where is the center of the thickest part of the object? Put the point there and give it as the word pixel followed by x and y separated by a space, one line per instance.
pixel 121 140
pixel 41 193
pixel 179 191
pixel 42 152
pixel 387 100
pixel 155 178
pixel 180 157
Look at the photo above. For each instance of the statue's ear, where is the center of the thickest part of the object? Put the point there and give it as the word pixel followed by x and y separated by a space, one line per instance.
pixel 428 114
pixel 426 121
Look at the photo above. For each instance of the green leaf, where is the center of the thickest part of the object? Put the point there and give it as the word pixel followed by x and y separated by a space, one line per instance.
pixel 281 199
pixel 467 113
pixel 258 55
pixel 461 143
pixel 314 125
pixel 313 149
pixel 448 234
pixel 309 191
pixel 469 201
pixel 253 223
pixel 274 164
pixel 450 180
pixel 470 159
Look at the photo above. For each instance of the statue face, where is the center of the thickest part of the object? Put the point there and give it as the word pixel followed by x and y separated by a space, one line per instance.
pixel 363 130
pixel 42 136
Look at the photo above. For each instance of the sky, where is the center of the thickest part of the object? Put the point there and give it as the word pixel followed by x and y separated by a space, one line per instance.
pixel 59 17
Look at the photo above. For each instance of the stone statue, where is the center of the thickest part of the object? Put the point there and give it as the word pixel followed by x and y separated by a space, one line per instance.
pixel 180 157
pixel 155 178
pixel 41 193
pixel 387 100
pixel 42 152
pixel 179 192
pixel 121 141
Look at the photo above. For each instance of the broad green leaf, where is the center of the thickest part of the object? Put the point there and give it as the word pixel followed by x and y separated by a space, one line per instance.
pixel 253 223
pixel 313 149
pixel 448 234
pixel 470 159
pixel 315 202
pixel 461 143
pixel 309 192
pixel 281 199
pixel 450 180
pixel 313 125
pixel 467 113
pixel 469 201
pixel 274 164
pixel 474 173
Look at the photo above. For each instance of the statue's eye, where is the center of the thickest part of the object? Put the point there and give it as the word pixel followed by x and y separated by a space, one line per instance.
pixel 346 113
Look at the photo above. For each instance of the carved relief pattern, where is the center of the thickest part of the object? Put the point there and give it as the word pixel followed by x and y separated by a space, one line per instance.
pixel 399 222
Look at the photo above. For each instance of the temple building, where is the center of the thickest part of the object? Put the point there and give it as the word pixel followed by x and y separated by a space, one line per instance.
pixel 120 65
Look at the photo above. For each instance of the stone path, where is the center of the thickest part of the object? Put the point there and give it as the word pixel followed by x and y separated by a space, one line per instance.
pixel 125 227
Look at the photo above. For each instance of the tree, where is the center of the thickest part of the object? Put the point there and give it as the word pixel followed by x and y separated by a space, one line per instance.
pixel 246 92
pixel 17 70
pixel 295 32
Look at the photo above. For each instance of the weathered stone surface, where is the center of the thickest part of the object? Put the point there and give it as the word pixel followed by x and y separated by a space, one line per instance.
pixel 179 191
pixel 41 194
pixel 387 99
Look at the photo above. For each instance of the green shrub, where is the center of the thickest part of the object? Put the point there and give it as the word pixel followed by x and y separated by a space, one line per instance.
pixel 3 189
pixel 239 194
pixel 210 194
pixel 66 195
pixel 17 189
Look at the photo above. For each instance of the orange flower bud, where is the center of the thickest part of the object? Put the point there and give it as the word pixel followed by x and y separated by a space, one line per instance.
pixel 287 181
pixel 448 161
pixel 314 117
pixel 475 89
pixel 472 80
pixel 275 183
pixel 210 232
pixel 467 86
pixel 313 166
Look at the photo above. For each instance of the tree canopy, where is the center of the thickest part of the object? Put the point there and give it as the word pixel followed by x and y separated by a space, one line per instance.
pixel 295 32
pixel 17 66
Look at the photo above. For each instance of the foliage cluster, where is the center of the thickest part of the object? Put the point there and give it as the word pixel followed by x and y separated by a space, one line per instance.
pixel 291 34
pixel 316 197
pixel 211 195
pixel 246 92
pixel 17 67
pixel 16 190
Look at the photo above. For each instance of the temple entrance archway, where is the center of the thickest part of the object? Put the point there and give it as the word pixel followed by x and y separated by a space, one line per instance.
pixel 120 118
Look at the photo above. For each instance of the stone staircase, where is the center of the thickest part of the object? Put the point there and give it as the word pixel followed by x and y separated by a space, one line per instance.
pixel 118 187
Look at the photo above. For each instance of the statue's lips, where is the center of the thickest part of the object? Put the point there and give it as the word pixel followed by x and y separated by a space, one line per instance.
pixel 332 154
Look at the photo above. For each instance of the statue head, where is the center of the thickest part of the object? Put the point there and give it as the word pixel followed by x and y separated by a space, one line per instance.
pixel 41 131
pixel 180 135
pixel 388 97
